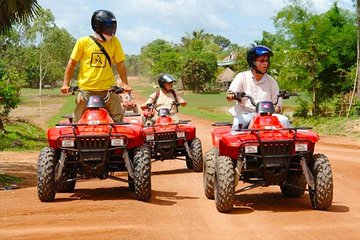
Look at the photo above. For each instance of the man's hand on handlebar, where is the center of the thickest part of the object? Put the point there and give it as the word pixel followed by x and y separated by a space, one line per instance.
pixel 127 88
pixel 65 89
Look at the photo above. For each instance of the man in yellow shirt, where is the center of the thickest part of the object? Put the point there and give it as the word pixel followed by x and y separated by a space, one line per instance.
pixel 96 75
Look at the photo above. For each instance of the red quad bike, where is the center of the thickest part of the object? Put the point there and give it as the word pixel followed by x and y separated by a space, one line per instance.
pixel 171 140
pixel 129 103
pixel 266 154
pixel 94 147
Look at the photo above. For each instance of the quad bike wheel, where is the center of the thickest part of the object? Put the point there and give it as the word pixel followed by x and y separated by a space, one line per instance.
pixel 46 187
pixel 321 197
pixel 224 184
pixel 195 145
pixel 142 173
pixel 295 179
pixel 209 172
pixel 196 151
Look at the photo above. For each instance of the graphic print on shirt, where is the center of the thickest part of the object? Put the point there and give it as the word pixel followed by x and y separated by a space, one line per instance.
pixel 98 60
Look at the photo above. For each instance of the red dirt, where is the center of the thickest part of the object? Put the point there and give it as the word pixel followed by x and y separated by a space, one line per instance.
pixel 178 209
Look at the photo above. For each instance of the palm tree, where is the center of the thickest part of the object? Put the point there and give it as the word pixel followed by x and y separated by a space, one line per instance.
pixel 16 11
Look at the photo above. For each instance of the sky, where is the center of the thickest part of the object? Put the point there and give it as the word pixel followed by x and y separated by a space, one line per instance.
pixel 143 21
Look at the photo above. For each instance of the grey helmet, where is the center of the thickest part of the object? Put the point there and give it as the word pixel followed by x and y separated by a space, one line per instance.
pixel 165 78
pixel 103 22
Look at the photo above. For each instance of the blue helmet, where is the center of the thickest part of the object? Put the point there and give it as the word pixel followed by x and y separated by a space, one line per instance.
pixel 255 52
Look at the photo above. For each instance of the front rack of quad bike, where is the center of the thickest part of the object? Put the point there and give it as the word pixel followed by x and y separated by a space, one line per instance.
pixel 280 152
pixel 91 142
pixel 166 137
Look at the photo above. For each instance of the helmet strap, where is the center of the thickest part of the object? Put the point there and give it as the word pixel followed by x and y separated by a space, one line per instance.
pixel 100 37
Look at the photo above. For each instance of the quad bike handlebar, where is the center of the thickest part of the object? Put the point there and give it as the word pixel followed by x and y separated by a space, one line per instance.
pixel 239 95
pixel 114 89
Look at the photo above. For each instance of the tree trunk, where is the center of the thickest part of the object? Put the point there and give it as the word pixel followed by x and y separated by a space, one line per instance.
pixel 40 75
pixel 314 111
pixel 2 129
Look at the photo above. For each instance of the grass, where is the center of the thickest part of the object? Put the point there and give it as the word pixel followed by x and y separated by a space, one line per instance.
pixel 7 180
pixel 332 126
pixel 21 135
pixel 67 108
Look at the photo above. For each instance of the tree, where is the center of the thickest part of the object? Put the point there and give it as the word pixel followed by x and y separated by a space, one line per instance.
pixel 16 12
pixel 318 50
pixel 151 54
pixel 11 12
pixel 51 45
pixel 198 70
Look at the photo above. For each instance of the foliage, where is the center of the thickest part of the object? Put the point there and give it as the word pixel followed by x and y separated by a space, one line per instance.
pixel 153 53
pixel 198 71
pixel 51 48
pixel 133 65
pixel 16 12
pixel 316 51
pixel 9 96
pixel 32 54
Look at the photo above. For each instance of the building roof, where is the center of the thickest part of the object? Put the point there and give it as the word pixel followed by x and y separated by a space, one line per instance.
pixel 226 76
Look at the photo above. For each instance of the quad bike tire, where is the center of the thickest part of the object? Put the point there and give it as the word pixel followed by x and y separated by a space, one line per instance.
pixel 209 172
pixel 196 151
pixel 189 163
pixel 142 173
pixel 224 184
pixel 297 179
pixel 321 197
pixel 46 187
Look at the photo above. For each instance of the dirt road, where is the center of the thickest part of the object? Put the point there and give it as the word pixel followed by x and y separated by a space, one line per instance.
pixel 178 209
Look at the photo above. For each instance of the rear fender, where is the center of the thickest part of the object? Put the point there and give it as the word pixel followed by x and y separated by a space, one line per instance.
pixel 229 143
pixel 263 122
pixel 190 131
pixel 307 135
pixel 136 120
pixel 164 120
pixel 134 134
pixel 96 116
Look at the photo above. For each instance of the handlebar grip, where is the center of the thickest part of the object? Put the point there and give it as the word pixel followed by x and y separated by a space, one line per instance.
pixel 73 89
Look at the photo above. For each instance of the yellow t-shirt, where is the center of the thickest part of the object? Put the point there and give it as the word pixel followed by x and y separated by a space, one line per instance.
pixel 95 71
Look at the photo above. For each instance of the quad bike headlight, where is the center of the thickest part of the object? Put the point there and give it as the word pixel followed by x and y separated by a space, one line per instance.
pixel 150 137
pixel 116 142
pixel 301 147
pixel 251 149
pixel 67 143
pixel 180 134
